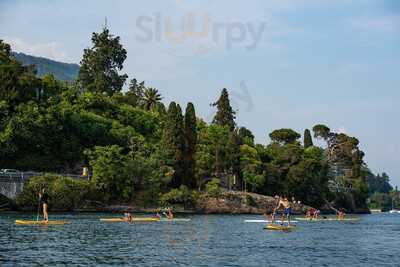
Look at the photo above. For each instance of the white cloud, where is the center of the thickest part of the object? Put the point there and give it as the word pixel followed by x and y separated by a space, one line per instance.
pixel 52 50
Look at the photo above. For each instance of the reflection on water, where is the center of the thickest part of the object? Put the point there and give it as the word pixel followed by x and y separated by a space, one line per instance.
pixel 215 240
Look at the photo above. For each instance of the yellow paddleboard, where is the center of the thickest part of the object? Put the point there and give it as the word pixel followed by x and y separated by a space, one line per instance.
pixel 278 227
pixel 144 219
pixel 24 222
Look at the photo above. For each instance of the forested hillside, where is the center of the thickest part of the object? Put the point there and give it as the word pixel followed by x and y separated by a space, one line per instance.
pixel 61 71
pixel 135 143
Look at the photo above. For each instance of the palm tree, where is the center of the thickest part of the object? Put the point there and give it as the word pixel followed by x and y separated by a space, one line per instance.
pixel 151 98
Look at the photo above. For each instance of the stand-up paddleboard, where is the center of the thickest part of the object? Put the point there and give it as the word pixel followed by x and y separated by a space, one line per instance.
pixel 328 219
pixel 137 219
pixel 268 221
pixel 144 219
pixel 175 220
pixel 24 222
pixel 279 227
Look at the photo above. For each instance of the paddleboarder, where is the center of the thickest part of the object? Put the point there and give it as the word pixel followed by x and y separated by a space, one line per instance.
pixel 128 217
pixel 285 204
pixel 341 214
pixel 44 200
pixel 170 215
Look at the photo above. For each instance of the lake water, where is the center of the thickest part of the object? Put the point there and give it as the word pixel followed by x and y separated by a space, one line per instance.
pixel 213 240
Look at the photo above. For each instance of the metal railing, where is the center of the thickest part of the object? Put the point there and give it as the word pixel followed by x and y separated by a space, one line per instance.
pixel 24 176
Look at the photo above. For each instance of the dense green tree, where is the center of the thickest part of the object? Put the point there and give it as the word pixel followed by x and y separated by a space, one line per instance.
pixel 321 131
pixel 307 139
pixel 246 136
pixel 190 131
pixel 111 173
pixel 284 136
pixel 380 201
pixel 251 167
pixel 101 63
pixel 377 183
pixel 5 51
pixel 18 83
pixel 225 115
pixel 135 93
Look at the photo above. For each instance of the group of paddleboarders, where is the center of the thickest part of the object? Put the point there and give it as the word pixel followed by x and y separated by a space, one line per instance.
pixel 285 207
pixel 128 217
pixel 313 213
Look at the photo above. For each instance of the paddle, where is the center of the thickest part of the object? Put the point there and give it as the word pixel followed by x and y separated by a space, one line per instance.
pixel 38 210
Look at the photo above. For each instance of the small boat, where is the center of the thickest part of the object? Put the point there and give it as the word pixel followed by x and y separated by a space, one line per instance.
pixel 25 222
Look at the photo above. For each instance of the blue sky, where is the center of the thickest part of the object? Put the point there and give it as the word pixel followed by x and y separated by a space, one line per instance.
pixel 313 61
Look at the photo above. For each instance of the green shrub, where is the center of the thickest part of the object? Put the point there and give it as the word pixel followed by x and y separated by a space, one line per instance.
pixel 177 196
pixel 213 188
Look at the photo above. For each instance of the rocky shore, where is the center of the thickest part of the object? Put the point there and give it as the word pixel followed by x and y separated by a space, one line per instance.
pixel 229 202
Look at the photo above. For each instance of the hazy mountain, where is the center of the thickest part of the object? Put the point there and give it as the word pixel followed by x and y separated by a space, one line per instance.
pixel 62 71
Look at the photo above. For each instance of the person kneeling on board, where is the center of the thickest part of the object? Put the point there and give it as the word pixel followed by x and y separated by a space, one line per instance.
pixel 128 217
pixel 341 214
pixel 170 215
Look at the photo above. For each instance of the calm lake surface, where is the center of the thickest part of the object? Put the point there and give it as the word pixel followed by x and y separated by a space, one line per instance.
pixel 214 240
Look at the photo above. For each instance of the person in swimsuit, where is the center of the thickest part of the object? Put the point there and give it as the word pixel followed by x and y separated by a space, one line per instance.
pixel 308 214
pixel 341 214
pixel 170 215
pixel 316 214
pixel 285 204
pixel 44 200
pixel 128 217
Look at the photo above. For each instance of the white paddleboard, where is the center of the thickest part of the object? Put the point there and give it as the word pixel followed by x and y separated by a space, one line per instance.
pixel 268 221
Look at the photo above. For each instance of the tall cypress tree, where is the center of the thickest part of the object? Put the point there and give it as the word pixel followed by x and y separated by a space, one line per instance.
pixel 225 115
pixel 173 142
pixel 307 139
pixel 190 130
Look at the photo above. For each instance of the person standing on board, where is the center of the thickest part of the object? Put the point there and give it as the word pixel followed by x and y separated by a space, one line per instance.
pixel 44 200
pixel 273 213
pixel 285 203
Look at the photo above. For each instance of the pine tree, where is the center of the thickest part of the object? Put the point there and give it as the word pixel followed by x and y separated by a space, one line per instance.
pixel 307 139
pixel 101 63
pixel 173 142
pixel 225 115
pixel 190 146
